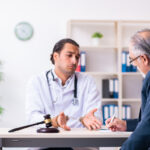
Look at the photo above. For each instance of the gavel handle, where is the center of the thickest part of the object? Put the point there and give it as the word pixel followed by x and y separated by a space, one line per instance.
pixel 19 128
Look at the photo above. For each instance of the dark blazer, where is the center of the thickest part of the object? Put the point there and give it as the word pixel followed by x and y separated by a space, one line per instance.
pixel 140 138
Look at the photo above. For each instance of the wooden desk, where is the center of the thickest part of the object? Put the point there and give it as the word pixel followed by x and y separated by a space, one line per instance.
pixel 74 138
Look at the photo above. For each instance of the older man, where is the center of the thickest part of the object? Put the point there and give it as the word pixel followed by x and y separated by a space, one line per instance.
pixel 139 52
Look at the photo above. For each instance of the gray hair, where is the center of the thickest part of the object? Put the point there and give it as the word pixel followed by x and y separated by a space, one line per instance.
pixel 141 45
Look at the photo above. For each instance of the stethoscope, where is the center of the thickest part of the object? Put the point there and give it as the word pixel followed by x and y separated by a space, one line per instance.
pixel 75 99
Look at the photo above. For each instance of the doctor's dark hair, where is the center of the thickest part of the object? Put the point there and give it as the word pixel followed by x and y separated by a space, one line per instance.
pixel 59 46
pixel 141 44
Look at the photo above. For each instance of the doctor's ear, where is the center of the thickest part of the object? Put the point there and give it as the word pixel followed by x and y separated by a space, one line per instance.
pixel 55 56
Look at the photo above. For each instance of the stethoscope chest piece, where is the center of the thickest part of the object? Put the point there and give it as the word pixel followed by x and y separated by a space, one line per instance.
pixel 75 101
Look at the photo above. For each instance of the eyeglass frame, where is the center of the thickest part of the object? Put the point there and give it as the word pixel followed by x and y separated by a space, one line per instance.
pixel 131 60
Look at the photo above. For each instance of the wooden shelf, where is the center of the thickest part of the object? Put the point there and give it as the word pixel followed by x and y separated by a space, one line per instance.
pixel 90 21
pixel 109 100
pixel 131 73
pixel 97 47
pixel 101 73
pixel 131 100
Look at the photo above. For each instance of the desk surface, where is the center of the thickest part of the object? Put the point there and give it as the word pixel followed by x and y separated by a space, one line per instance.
pixel 74 133
pixel 75 138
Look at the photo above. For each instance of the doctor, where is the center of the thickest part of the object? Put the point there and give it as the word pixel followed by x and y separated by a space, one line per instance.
pixel 71 98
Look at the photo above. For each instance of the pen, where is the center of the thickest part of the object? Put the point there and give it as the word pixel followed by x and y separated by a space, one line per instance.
pixel 112 118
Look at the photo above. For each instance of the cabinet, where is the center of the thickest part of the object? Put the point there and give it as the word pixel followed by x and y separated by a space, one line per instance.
pixel 105 61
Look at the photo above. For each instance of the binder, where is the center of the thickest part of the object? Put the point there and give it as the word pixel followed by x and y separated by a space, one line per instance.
pixel 111 110
pixel 78 69
pixel 83 61
pixel 128 111
pixel 105 113
pixel 133 68
pixel 105 88
pixel 123 112
pixel 128 64
pixel 116 88
pixel 111 88
pixel 116 111
pixel 124 61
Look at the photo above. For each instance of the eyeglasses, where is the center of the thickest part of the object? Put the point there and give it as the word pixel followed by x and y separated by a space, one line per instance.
pixel 131 60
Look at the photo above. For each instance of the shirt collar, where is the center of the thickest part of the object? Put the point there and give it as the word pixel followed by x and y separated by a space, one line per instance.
pixel 53 76
pixel 147 77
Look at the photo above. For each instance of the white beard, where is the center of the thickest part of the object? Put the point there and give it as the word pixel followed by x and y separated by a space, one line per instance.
pixel 143 74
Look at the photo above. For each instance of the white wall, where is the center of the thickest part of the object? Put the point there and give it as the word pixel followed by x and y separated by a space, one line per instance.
pixel 49 19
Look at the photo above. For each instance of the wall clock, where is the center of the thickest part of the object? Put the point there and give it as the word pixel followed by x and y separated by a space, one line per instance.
pixel 24 31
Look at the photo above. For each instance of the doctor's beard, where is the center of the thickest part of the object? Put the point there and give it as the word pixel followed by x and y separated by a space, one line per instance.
pixel 143 74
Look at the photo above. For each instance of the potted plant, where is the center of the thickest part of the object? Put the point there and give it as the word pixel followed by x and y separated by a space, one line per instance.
pixel 96 38
pixel 1 110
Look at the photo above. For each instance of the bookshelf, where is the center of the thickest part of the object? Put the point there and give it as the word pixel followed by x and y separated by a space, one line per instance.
pixel 105 61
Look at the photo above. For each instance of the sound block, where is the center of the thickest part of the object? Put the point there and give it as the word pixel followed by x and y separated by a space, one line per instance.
pixel 47 130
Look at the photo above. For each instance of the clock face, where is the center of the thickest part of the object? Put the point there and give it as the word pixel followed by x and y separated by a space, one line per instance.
pixel 23 31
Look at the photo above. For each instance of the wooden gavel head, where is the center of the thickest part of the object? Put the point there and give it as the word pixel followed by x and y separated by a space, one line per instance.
pixel 48 123
pixel 47 120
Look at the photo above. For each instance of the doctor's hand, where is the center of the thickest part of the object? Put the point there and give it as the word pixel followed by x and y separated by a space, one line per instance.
pixel 116 125
pixel 90 121
pixel 61 121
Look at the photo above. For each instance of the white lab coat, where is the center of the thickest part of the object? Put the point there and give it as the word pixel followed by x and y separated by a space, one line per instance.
pixel 41 101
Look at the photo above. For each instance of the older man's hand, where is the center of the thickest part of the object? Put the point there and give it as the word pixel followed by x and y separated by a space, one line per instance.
pixel 116 125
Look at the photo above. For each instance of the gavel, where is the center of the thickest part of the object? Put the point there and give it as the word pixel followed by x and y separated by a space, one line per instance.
pixel 48 123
